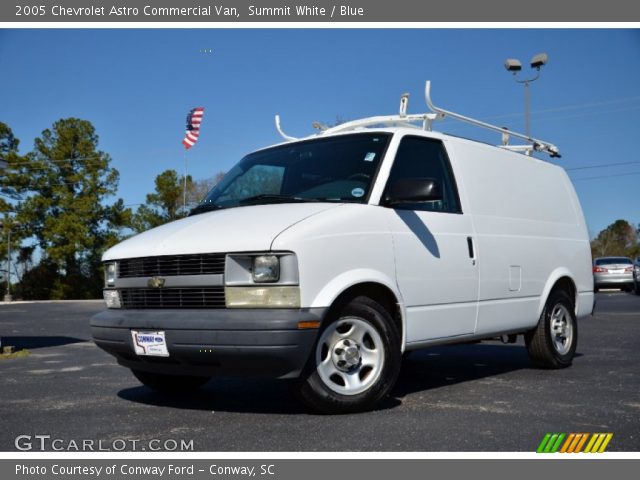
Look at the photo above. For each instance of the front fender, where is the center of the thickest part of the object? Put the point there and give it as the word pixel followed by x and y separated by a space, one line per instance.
pixel 339 284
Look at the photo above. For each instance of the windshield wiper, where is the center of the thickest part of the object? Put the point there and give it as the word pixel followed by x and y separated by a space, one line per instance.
pixel 204 207
pixel 276 198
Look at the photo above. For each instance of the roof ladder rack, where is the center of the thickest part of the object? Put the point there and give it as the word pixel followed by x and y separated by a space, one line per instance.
pixel 404 119
pixel 535 144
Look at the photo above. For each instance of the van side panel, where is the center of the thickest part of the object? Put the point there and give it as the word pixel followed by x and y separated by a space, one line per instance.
pixel 526 227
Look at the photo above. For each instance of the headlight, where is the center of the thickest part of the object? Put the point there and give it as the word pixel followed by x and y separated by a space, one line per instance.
pixel 111 298
pixel 265 269
pixel 262 297
pixel 110 274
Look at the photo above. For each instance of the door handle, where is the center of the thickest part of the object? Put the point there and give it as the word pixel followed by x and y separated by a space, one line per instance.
pixel 472 253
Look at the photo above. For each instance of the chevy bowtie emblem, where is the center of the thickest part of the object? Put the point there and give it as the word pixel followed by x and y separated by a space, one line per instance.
pixel 156 282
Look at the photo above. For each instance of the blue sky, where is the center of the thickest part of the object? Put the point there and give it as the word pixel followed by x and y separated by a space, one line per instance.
pixel 136 87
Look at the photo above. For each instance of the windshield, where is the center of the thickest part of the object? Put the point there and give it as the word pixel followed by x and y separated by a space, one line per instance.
pixel 334 169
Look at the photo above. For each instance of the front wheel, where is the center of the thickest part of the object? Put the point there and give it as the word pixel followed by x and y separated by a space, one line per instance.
pixel 552 344
pixel 169 383
pixel 355 362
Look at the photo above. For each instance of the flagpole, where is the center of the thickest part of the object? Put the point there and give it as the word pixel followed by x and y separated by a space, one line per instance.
pixel 194 118
pixel 184 190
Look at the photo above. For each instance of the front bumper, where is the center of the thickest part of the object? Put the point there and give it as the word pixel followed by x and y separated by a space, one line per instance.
pixel 207 342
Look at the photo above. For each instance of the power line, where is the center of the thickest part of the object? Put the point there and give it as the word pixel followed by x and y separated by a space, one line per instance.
pixel 562 117
pixel 32 168
pixel 568 107
pixel 589 114
pixel 64 160
pixel 603 165
pixel 607 176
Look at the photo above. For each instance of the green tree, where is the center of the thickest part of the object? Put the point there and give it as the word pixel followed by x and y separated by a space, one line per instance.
pixel 8 196
pixel 9 153
pixel 66 182
pixel 200 188
pixel 618 239
pixel 166 203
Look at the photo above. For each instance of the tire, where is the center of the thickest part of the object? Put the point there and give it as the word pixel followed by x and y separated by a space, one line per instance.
pixel 636 288
pixel 355 361
pixel 169 383
pixel 552 344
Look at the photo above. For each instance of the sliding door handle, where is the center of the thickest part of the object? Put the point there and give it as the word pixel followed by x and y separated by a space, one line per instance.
pixel 472 253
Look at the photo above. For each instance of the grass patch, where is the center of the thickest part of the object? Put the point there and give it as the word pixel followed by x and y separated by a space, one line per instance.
pixel 18 354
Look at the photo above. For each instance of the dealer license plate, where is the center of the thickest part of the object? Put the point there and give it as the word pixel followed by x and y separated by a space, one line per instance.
pixel 150 343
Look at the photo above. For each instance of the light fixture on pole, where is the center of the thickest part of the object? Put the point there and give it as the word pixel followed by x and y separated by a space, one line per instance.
pixel 514 66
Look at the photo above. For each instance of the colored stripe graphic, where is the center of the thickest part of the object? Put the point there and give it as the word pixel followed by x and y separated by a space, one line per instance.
pixel 581 443
pixel 574 442
pixel 606 442
pixel 567 443
pixel 598 443
pixel 543 443
pixel 551 443
pixel 556 445
pixel 590 444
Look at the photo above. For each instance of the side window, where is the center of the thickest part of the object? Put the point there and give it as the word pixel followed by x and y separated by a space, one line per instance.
pixel 420 157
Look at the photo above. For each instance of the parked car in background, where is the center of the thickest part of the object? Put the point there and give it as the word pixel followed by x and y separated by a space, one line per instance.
pixel 636 276
pixel 613 272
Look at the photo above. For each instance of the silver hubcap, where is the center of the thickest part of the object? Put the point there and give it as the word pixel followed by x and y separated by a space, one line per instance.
pixel 350 356
pixel 561 329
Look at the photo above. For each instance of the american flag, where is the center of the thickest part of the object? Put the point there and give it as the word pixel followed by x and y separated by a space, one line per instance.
pixel 194 119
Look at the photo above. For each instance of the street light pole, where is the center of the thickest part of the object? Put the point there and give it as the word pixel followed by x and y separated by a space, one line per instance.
pixel 527 109
pixel 8 225
pixel 514 66
pixel 7 297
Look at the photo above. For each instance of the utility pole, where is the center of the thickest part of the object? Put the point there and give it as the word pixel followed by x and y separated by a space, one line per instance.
pixel 9 225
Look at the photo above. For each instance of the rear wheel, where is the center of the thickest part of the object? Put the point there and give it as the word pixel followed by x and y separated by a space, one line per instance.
pixel 169 383
pixel 355 362
pixel 552 344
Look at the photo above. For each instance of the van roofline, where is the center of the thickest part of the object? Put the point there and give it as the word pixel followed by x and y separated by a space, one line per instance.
pixel 393 123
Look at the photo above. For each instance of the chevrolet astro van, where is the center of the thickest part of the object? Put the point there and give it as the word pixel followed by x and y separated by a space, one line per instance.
pixel 324 259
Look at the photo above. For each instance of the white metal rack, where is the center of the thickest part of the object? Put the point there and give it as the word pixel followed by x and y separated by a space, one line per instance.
pixel 403 119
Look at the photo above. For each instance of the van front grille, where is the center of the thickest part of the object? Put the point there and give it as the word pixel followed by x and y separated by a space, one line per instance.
pixel 172 265
pixel 208 297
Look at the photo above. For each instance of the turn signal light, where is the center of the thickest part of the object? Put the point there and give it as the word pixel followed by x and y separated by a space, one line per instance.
pixel 308 325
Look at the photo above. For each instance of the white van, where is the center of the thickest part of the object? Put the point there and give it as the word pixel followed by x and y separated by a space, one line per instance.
pixel 324 259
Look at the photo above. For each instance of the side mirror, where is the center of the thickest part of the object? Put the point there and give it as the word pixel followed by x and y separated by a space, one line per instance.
pixel 412 190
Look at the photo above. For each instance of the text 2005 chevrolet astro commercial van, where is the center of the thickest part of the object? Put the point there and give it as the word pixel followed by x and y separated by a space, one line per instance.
pixel 324 259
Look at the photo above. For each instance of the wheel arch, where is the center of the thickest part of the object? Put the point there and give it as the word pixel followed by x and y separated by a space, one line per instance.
pixel 560 279
pixel 377 290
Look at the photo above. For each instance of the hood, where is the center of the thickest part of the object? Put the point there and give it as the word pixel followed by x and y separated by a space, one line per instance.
pixel 240 229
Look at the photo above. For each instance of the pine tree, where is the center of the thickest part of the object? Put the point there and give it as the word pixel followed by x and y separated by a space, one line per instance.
pixel 66 182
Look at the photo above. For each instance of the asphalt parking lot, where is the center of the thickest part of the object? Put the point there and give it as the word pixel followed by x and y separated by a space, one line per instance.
pixel 478 397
